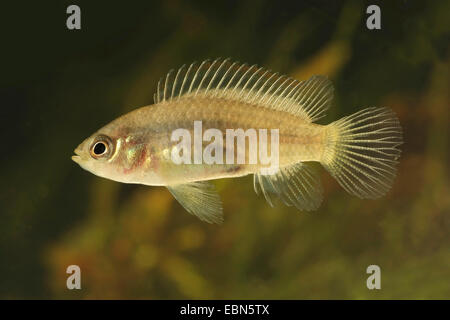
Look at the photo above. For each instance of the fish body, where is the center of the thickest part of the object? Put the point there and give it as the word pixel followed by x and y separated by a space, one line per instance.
pixel 222 106
pixel 144 148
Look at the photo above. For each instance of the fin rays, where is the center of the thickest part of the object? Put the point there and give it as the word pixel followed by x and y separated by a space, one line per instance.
pixel 362 151
pixel 200 199
pixel 298 185
pixel 230 80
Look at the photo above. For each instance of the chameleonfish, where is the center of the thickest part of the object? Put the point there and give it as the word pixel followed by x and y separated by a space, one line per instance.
pixel 145 146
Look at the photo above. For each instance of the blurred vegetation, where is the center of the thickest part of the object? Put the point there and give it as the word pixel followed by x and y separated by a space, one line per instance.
pixel 131 241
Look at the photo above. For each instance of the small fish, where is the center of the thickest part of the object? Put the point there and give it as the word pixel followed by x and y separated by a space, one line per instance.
pixel 360 150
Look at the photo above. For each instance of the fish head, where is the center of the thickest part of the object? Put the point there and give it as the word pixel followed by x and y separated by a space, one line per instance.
pixel 98 155
pixel 118 153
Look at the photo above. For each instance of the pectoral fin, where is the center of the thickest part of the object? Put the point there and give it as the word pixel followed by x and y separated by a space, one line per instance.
pixel 200 199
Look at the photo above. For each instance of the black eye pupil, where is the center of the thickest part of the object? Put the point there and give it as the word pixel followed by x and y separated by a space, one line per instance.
pixel 99 148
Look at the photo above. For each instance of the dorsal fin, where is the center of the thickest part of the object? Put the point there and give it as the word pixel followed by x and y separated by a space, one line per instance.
pixel 222 78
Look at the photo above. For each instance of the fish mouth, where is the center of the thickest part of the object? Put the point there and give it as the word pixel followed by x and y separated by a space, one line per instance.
pixel 77 158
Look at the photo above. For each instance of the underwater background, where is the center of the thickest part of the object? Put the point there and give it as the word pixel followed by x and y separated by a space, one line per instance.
pixel 136 242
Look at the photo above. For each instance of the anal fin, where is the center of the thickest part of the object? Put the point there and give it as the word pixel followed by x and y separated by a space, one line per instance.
pixel 200 199
pixel 298 185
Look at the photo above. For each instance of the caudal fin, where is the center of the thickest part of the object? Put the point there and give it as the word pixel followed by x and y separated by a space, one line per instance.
pixel 362 151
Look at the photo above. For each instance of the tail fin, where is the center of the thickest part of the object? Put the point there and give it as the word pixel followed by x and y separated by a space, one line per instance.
pixel 362 150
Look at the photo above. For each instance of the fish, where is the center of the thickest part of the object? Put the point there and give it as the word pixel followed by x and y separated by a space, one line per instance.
pixel 361 151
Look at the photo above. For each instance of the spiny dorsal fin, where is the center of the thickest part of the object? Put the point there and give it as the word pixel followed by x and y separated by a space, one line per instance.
pixel 297 185
pixel 200 199
pixel 222 78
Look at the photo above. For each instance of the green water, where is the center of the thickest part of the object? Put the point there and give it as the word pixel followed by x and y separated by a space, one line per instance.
pixel 59 86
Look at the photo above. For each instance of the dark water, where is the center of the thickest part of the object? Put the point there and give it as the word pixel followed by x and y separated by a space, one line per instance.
pixel 58 86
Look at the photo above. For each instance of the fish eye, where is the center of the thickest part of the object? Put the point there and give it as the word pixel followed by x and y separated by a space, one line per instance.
pixel 101 147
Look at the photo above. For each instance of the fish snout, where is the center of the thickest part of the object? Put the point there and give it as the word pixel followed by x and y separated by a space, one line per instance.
pixel 77 157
